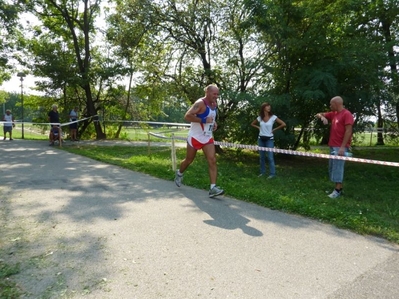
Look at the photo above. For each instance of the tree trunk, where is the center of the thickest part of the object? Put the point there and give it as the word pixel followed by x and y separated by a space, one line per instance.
pixel 92 111
pixel 298 139
pixel 127 105
pixel 386 26
pixel 380 127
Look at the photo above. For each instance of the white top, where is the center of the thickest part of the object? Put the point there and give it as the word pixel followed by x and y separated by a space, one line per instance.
pixel 266 128
pixel 73 115
pixel 8 120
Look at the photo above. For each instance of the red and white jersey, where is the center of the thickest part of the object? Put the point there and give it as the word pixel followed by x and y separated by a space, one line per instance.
pixel 203 132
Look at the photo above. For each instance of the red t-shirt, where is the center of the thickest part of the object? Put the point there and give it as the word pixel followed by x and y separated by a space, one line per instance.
pixel 338 122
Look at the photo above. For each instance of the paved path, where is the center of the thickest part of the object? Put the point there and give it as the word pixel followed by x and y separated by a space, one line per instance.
pixel 84 229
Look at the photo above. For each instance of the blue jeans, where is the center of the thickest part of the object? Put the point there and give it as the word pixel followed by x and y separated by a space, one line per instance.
pixel 336 167
pixel 270 156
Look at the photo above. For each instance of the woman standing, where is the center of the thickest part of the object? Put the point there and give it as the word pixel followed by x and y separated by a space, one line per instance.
pixel 264 122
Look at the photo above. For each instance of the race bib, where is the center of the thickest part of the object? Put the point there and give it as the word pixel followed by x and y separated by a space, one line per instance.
pixel 208 129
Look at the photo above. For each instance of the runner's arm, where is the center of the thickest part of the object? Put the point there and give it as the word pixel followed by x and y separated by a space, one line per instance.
pixel 197 108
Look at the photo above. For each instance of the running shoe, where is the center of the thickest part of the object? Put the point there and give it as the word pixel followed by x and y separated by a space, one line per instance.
pixel 334 194
pixel 178 179
pixel 215 191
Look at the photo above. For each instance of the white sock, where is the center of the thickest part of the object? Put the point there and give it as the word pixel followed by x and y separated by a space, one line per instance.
pixel 179 173
pixel 212 185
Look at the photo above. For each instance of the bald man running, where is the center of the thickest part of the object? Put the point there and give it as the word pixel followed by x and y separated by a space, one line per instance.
pixel 202 116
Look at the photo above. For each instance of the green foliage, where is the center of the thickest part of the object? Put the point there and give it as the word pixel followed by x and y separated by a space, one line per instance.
pixel 295 54
pixel 320 50
pixel 8 26
pixel 8 288
pixel 3 96
pixel 62 52
pixel 12 101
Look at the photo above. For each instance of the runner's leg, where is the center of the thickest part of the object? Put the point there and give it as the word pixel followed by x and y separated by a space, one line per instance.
pixel 210 154
pixel 190 156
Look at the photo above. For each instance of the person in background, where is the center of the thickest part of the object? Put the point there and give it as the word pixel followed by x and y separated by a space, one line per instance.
pixel 264 123
pixel 73 116
pixel 55 135
pixel 202 116
pixel 340 140
pixel 9 124
pixel 54 119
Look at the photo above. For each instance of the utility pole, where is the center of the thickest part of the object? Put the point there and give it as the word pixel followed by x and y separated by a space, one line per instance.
pixel 21 76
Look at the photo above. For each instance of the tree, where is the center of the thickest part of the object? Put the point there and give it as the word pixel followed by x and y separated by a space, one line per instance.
pixel 8 23
pixel 67 32
pixel 128 30
pixel 385 14
pixel 294 54
pixel 377 23
pixel 190 44
pixel 319 52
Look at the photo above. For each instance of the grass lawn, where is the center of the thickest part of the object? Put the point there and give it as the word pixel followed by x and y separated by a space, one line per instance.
pixel 35 133
pixel 370 203
pixel 138 133
pixel 8 288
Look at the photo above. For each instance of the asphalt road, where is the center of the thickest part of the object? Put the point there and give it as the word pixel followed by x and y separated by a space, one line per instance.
pixel 84 229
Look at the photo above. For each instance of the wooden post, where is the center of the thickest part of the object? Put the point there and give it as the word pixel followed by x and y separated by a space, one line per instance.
pixel 149 144
pixel 60 136
pixel 173 153
pixel 371 136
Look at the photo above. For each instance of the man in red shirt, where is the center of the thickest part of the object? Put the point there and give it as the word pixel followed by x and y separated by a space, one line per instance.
pixel 340 140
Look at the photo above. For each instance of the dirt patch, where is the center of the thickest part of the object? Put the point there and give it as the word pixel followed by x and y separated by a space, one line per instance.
pixel 50 253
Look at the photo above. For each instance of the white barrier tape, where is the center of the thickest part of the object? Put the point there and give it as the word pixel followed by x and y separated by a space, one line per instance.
pixel 305 154
pixel 53 124
pixel 149 122
pixel 165 137
pixel 76 121
pixel 291 152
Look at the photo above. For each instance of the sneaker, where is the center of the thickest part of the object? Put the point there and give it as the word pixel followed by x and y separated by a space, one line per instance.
pixel 334 194
pixel 260 175
pixel 178 179
pixel 215 191
pixel 271 177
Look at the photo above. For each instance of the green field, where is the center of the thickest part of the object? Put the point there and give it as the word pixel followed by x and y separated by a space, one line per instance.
pixel 365 139
pixel 132 134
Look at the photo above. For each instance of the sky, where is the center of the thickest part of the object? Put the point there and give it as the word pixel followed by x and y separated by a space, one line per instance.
pixel 14 85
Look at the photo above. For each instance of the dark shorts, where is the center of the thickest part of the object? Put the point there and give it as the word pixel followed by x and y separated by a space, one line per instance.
pixel 7 129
